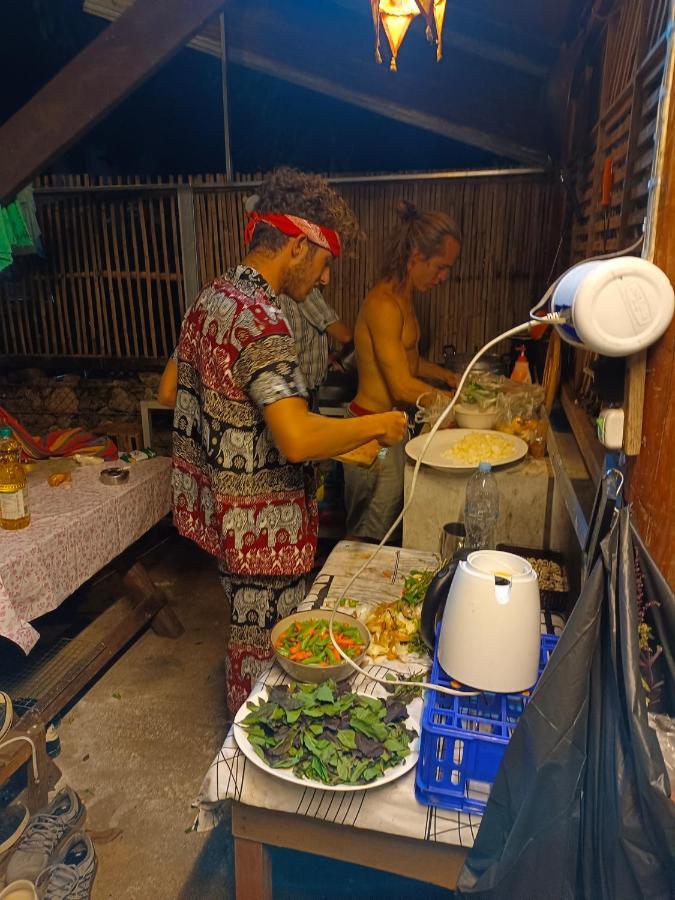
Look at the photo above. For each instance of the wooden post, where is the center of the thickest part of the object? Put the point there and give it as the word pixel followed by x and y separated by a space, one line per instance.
pixel 651 485
pixel 253 870
pixel 94 82
pixel 165 622
pixel 188 242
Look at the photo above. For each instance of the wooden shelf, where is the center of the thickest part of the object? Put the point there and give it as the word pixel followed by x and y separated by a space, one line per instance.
pixel 590 447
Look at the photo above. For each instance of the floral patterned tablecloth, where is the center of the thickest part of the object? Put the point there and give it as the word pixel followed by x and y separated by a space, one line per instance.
pixel 75 531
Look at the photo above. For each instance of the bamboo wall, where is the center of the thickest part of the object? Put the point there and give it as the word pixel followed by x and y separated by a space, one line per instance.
pixel 111 284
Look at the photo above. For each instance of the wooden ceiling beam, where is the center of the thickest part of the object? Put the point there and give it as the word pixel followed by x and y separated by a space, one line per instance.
pixel 409 115
pixel 443 99
pixel 94 82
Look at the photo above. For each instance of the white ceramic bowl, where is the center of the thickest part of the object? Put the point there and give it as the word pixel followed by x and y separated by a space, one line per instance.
pixel 317 674
pixel 467 417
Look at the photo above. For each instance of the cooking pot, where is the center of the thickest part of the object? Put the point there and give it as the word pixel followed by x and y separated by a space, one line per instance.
pixel 489 637
pixel 457 362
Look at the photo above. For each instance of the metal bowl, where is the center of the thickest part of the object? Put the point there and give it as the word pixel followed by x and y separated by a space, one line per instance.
pixel 317 674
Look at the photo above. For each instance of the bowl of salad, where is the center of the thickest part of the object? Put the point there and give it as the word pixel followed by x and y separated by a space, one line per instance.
pixel 303 648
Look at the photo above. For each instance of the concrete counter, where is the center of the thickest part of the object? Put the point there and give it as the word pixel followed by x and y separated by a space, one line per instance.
pixel 525 504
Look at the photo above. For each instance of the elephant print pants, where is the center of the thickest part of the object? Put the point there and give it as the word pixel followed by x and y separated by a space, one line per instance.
pixel 256 603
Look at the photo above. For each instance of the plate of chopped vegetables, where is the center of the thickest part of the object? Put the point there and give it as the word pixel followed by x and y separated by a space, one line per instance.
pixel 303 647
pixel 324 736
pixel 462 449
pixel 394 626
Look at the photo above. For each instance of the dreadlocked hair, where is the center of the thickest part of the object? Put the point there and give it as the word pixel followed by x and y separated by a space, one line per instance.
pixel 422 231
pixel 290 192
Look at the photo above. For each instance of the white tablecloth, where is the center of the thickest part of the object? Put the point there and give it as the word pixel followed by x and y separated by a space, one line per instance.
pixel 392 808
pixel 74 532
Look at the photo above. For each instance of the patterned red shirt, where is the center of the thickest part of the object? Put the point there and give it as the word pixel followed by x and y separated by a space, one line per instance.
pixel 234 493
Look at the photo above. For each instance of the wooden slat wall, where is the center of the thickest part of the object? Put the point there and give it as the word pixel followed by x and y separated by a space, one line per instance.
pixel 111 283
pixel 634 59
pixel 632 75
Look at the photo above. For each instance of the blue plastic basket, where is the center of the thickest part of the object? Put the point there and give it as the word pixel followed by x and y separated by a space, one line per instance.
pixel 463 740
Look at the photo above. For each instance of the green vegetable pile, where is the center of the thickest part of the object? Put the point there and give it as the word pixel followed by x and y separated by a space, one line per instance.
pixel 325 733
pixel 478 394
pixel 416 585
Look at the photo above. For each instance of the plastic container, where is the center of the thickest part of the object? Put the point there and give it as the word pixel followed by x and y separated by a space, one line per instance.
pixel 614 306
pixel 463 740
pixel 521 369
pixel 481 509
pixel 551 600
pixel 468 417
pixel 14 511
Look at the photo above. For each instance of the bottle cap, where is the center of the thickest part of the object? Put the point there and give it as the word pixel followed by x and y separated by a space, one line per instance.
pixel 484 467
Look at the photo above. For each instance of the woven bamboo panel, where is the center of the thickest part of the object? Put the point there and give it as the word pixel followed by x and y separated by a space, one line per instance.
pixel 632 77
pixel 111 283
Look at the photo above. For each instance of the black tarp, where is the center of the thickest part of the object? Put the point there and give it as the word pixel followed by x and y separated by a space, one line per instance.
pixel 581 805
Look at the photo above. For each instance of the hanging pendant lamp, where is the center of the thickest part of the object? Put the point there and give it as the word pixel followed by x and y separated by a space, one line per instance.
pixel 396 16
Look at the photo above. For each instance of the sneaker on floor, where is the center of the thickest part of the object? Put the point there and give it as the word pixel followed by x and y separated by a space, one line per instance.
pixel 19 890
pixel 6 713
pixel 44 835
pixel 71 875
pixel 13 821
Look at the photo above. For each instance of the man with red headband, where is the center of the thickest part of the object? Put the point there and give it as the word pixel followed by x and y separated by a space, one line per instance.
pixel 242 428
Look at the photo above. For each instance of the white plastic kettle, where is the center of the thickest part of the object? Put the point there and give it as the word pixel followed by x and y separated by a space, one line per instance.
pixel 490 633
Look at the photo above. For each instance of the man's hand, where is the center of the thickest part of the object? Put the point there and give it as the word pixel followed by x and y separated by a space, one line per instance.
pixel 450 378
pixel 394 427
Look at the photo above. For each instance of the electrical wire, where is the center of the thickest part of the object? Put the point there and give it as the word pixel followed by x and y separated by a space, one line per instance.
pixel 547 296
pixel 413 484
pixel 550 318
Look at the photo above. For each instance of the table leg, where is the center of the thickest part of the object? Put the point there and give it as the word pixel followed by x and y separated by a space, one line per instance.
pixel 37 792
pixel 165 622
pixel 253 870
pixel 145 424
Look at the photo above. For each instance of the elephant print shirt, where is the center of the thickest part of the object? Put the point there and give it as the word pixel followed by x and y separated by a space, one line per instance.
pixel 234 493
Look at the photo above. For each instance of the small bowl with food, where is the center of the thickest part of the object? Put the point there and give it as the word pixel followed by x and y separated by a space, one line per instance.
pixel 303 648
pixel 473 417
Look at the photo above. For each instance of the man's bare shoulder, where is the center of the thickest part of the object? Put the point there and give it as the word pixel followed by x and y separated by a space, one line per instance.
pixel 381 300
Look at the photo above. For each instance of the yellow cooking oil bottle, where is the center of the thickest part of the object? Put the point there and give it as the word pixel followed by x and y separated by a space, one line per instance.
pixel 14 511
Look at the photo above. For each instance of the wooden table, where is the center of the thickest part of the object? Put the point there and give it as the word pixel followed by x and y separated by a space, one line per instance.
pixel 37 557
pixel 386 828
pixel 256 830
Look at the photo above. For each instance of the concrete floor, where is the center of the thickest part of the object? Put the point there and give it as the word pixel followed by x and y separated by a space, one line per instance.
pixel 138 743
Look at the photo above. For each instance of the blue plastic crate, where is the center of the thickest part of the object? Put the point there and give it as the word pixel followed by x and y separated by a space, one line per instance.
pixel 463 740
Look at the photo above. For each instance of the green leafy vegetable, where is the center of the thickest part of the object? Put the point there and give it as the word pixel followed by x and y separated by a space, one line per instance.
pixel 325 733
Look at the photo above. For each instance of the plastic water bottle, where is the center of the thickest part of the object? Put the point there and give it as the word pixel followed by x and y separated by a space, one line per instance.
pixel 481 509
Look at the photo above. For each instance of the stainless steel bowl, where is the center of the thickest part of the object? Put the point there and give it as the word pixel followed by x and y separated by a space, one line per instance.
pixel 317 674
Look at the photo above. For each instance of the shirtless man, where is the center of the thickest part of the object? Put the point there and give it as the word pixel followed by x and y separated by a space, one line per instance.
pixel 391 371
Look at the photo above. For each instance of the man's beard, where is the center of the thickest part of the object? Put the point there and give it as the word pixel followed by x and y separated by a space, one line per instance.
pixel 297 283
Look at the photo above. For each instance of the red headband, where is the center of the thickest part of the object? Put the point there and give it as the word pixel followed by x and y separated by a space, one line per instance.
pixel 293 226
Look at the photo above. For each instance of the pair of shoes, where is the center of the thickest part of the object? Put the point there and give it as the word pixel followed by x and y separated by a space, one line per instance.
pixel 44 836
pixel 71 875
pixel 6 713
pixel 13 821
pixel 19 890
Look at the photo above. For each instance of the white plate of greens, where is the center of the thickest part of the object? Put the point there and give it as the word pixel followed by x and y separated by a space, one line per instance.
pixel 324 736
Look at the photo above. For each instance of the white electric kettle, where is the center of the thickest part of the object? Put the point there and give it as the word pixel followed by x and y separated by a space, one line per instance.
pixel 490 633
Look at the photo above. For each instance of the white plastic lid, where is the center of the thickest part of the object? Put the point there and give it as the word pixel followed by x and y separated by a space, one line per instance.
pixel 622 305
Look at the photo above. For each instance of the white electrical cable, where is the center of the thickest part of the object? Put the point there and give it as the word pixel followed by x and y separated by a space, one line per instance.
pixel 549 318
pixel 544 300
pixel 424 686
